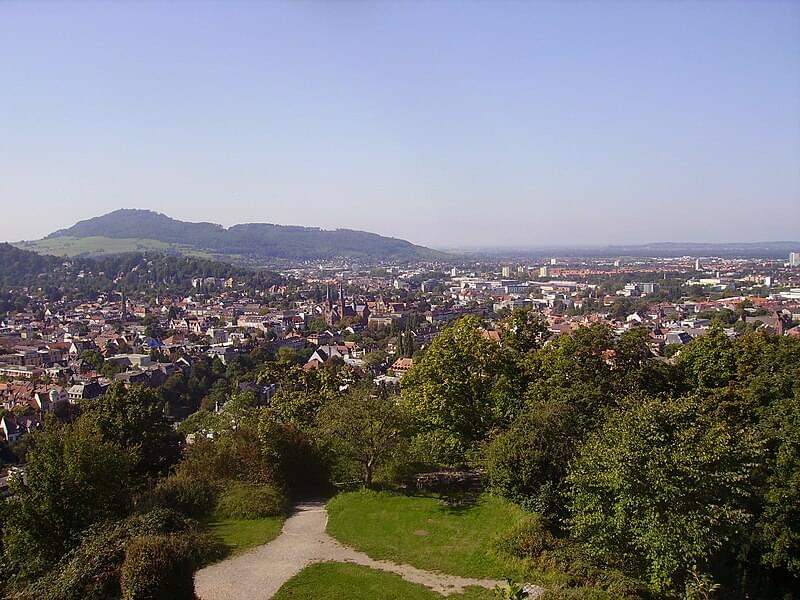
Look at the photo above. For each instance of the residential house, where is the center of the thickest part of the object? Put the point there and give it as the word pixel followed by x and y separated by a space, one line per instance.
pixel 401 366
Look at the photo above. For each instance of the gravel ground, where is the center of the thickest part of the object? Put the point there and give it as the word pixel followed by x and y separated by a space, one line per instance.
pixel 259 573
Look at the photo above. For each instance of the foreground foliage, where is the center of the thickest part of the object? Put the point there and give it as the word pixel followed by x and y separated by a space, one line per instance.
pixel 697 473
pixel 74 479
pixel 148 556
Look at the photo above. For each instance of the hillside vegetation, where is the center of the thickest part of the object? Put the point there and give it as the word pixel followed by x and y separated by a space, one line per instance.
pixel 122 230
pixel 57 277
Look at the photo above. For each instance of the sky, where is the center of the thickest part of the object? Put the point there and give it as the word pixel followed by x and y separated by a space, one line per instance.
pixel 450 124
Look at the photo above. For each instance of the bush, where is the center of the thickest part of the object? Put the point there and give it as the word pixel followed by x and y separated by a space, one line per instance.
pixel 193 497
pixel 92 570
pixel 249 501
pixel 294 461
pixel 159 567
pixel 435 449
pixel 236 455
pixel 581 593
pixel 532 540
pixel 527 539
pixel 528 463
pixel 674 463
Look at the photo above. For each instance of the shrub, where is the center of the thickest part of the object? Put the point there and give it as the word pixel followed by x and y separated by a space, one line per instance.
pixel 249 501
pixel 92 570
pixel 527 539
pixel 528 463
pixel 532 540
pixel 580 593
pixel 434 449
pixel 510 590
pixel 236 455
pixel 193 497
pixel 294 461
pixel 158 567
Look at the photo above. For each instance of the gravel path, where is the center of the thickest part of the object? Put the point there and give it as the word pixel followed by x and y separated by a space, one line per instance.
pixel 259 573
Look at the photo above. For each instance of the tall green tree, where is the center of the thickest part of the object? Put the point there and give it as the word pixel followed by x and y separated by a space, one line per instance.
pixel 575 368
pixel 461 388
pixel 778 527
pixel 664 486
pixel 363 427
pixel 524 330
pixel 74 478
pixel 708 361
pixel 134 420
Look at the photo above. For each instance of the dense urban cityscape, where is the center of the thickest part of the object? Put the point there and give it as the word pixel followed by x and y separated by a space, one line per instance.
pixel 53 349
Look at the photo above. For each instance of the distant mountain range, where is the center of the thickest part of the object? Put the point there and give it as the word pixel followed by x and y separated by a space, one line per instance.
pixel 134 230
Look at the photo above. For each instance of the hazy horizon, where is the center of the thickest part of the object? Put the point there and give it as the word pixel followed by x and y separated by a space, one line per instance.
pixel 501 247
pixel 447 124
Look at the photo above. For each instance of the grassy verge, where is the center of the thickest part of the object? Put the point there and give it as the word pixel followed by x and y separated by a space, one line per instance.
pixel 240 534
pixel 426 533
pixel 339 581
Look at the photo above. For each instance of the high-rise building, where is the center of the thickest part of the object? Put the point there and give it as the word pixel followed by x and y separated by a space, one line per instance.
pixel 544 272
pixel 506 271
pixel 647 287
pixel 697 264
pixel 794 259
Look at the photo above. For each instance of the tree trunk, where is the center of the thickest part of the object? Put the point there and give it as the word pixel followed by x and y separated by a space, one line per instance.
pixel 368 474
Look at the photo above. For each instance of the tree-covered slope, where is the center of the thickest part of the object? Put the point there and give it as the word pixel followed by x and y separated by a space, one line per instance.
pixel 158 273
pixel 20 267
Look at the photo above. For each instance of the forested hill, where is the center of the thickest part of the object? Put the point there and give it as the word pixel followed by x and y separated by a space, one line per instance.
pixel 20 267
pixel 157 273
pixel 132 229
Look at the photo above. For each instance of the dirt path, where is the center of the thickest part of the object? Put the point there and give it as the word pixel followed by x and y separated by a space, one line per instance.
pixel 259 573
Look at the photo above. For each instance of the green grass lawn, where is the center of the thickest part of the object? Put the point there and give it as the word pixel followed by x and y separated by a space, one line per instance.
pixel 425 533
pixel 71 246
pixel 339 581
pixel 241 534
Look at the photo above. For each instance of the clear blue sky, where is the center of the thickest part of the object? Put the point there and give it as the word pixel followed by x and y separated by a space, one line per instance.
pixel 446 123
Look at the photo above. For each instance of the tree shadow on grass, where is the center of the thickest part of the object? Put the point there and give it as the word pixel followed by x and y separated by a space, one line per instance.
pixel 459 501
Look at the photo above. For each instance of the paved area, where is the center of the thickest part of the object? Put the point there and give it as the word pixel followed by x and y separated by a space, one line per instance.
pixel 259 573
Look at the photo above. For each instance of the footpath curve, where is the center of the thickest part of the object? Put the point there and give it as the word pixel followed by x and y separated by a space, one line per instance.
pixel 259 573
